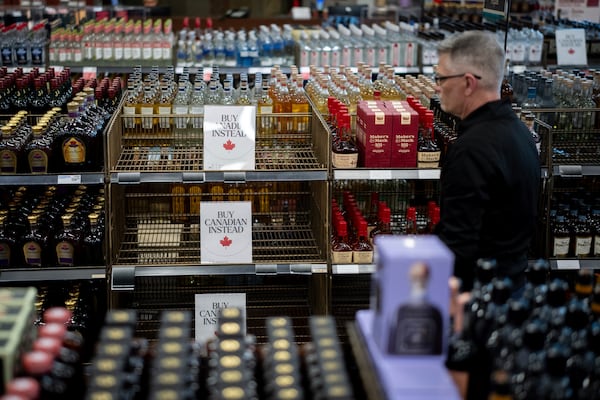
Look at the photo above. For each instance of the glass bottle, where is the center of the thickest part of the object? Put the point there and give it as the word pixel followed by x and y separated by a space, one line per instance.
pixel 39 151
pixel 362 249
pixel 264 110
pixel 506 89
pixel 299 105
pixel 344 150
pixel 35 244
pixel 68 243
pixel 428 151
pixel 147 108
pixel 341 251
pixel 582 237
pixel 384 225
pixel 93 241
pixel 8 245
pixel 282 105
pixel 560 237
pixel 411 221
pixel 9 155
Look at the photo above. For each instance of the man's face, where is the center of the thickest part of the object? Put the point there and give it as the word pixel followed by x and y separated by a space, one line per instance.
pixel 450 88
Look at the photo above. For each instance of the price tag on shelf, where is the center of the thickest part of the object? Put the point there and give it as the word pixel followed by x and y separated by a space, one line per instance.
pixel 345 269
pixel 69 179
pixel 567 264
pixel 380 174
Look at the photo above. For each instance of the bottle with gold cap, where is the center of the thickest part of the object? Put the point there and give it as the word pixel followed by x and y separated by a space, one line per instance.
pixel 38 152
pixel 35 244
pixel 68 243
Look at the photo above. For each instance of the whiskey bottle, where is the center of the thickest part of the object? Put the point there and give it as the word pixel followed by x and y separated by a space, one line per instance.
pixel 411 221
pixel 68 243
pixel 344 150
pixel 560 237
pixel 362 248
pixel 384 224
pixel 428 152
pixel 39 151
pixel 8 245
pixel 582 237
pixel 35 244
pixel 341 251
pixel 9 155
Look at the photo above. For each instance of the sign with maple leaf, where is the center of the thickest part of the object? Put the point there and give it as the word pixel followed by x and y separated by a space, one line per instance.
pixel 207 309
pixel 571 48
pixel 226 232
pixel 229 137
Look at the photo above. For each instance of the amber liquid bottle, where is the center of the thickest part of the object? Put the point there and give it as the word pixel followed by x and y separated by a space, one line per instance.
pixel 36 245
pixel 341 251
pixel 68 243
pixel 362 248
pixel 344 150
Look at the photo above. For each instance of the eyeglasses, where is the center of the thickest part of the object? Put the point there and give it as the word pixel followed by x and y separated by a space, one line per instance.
pixel 441 78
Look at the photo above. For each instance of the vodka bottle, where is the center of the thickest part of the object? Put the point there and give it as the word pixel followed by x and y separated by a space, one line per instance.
pixel 136 48
pixel 230 49
pixel 196 107
pixel 147 40
pixel 219 48
pixel 168 40
pixel 228 93
pixel 118 41
pixel 38 45
pixel 265 46
pixel 181 107
pixel 157 46
pixel 98 40
pixel 128 41
pixel 278 45
pixel 107 41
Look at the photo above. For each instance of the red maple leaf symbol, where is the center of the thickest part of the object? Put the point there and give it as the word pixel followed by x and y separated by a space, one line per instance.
pixel 571 51
pixel 225 242
pixel 229 145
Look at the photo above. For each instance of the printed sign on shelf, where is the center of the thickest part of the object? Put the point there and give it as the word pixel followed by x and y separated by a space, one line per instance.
pixel 207 310
pixel 577 10
pixel 226 232
pixel 570 47
pixel 229 137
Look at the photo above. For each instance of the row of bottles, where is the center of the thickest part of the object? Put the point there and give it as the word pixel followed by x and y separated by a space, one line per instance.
pixel 229 366
pixel 355 226
pixel 182 102
pixel 54 142
pixel 23 44
pixel 50 226
pixel 264 46
pixel 545 337
pixel 574 225
pixel 113 41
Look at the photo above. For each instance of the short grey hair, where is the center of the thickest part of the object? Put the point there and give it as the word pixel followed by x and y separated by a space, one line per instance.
pixel 480 52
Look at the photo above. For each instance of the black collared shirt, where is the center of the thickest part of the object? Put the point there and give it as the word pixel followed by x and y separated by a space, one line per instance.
pixel 490 183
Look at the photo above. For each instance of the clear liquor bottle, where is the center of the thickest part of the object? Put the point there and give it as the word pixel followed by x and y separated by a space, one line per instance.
pixel 282 105
pixel 299 105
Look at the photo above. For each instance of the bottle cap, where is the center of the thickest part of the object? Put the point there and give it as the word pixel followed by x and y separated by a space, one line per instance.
pixel 57 314
pixel 26 387
pixel 50 345
pixel 53 330
pixel 37 362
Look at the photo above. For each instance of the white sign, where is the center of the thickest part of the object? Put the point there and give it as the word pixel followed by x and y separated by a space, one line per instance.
pixel 229 137
pixel 570 47
pixel 226 232
pixel 207 308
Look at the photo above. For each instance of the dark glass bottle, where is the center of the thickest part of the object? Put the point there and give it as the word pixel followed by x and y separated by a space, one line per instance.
pixel 344 149
pixel 582 237
pixel 561 237
pixel 39 151
pixel 8 245
pixel 36 246
pixel 428 152
pixel 68 243
pixel 341 251
pixel 93 242
pixel 384 224
pixel 362 248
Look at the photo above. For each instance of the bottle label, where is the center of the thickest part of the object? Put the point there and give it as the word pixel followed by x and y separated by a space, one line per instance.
pixel 341 257
pixel 127 52
pixel 167 52
pixel 77 56
pixel 21 55
pixel 87 51
pixel 37 55
pixel 99 53
pixel 410 55
pixel 4 255
pixel 518 53
pixel 164 122
pixel 583 246
pixel 129 122
pixel 146 52
pixel 535 53
pixel 8 162
pixel 73 151
pixel 371 56
pixel 147 121
pixel 358 55
pixel 119 53
pixel 362 257
pixel 395 57
pixel 597 245
pixel 428 159
pixel 315 58
pixel 157 52
pixel 136 52
pixel 382 55
pixel 335 59
pixel 346 56
pixel 7 55
pixel 344 160
pixel 198 120
pixel 561 247
pixel 32 253
pixel 65 254
pixel 38 161
pixel 107 53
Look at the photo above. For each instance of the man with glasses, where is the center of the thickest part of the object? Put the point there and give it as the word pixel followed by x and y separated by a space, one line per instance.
pixel 490 176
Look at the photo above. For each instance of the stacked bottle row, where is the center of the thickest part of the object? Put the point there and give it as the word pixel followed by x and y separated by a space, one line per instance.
pixel 49 227
pixel 54 142
pixel 229 366
pixel 264 46
pixel 113 41
pixel 34 91
pixel 356 224
pixel 23 44
pixel 51 365
pixel 542 340
pixel 181 103
pixel 575 225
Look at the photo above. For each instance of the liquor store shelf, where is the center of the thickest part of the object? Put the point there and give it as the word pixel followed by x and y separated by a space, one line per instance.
pixel 123 276
pixel 352 269
pixel 51 274
pixel 216 176
pixel 576 170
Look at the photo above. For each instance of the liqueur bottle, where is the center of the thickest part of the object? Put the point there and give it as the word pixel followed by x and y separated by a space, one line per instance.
pixel 560 237
pixel 39 151
pixel 8 245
